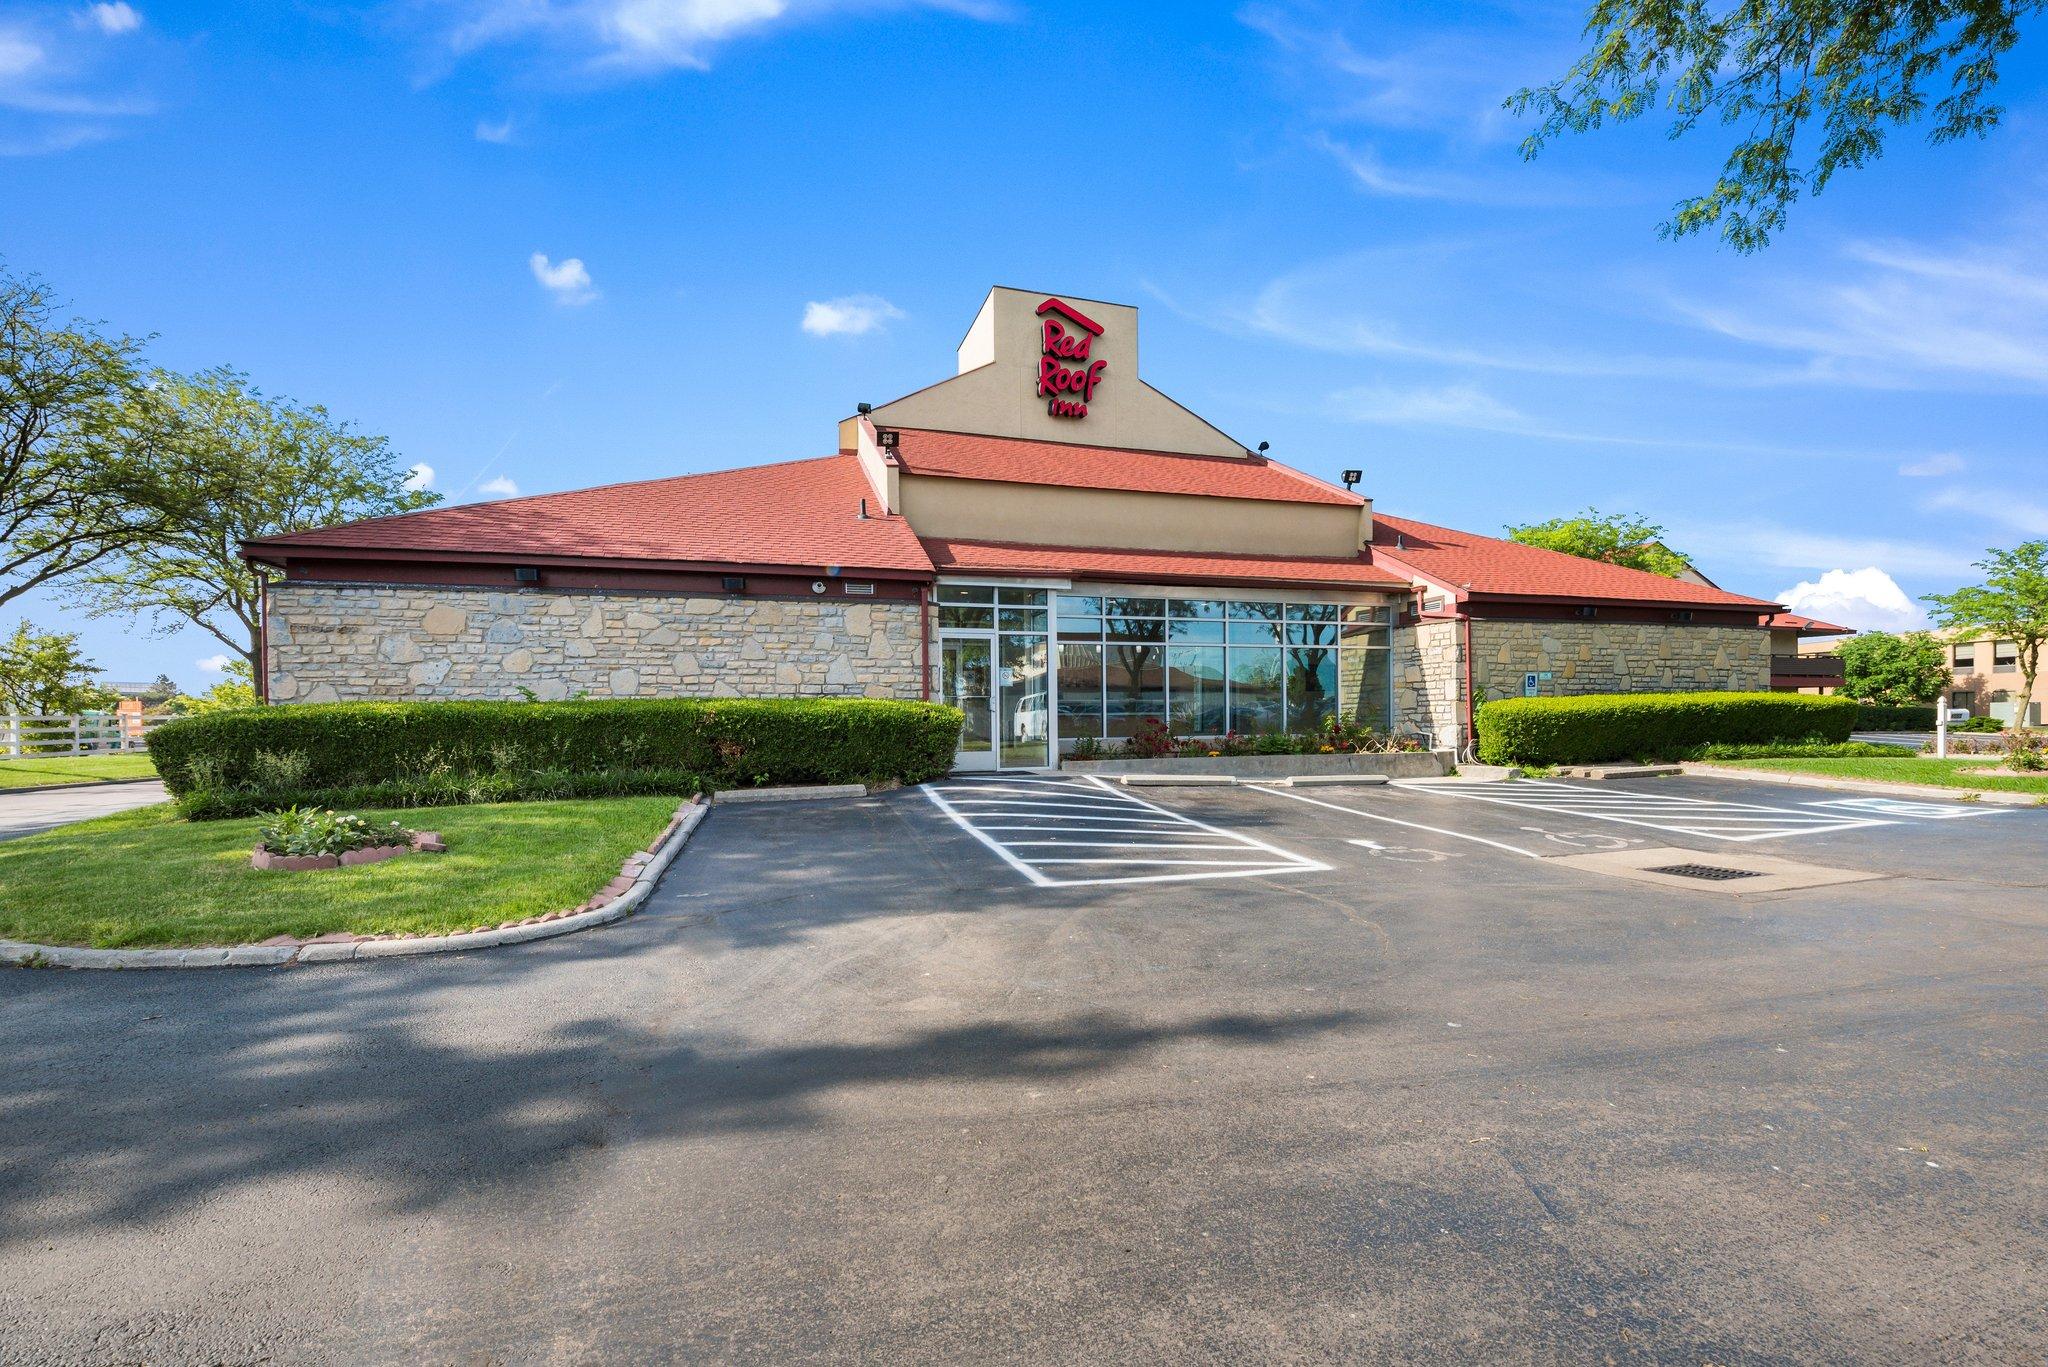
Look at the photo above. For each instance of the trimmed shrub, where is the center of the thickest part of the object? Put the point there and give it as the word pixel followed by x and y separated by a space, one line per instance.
pixel 1613 726
pixel 435 753
pixel 1873 716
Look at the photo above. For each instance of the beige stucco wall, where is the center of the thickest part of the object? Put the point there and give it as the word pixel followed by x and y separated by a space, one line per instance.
pixel 1051 515
pixel 1617 657
pixel 996 389
pixel 332 642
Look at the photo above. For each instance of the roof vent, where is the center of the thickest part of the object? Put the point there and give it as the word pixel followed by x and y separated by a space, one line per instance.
pixel 863 510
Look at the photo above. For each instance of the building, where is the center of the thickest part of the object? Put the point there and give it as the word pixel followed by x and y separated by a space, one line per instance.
pixel 1803 658
pixel 1985 676
pixel 1042 539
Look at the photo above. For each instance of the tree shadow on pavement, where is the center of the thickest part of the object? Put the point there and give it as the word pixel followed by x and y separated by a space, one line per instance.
pixel 135 1099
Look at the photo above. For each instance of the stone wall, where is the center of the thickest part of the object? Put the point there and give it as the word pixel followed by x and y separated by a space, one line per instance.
pixel 1429 681
pixel 1617 657
pixel 346 642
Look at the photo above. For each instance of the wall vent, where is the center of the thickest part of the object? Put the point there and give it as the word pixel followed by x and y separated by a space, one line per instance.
pixel 861 590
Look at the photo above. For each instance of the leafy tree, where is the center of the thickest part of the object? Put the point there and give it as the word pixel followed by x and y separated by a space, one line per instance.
pixel 2010 605
pixel 161 691
pixel 258 467
pixel 238 689
pixel 44 673
pixel 81 444
pixel 1880 667
pixel 1626 539
pixel 1811 88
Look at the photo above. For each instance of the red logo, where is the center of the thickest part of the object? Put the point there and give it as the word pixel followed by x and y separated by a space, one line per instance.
pixel 1067 389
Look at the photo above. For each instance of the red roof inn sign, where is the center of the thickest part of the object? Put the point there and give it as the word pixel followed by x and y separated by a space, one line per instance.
pixel 1066 388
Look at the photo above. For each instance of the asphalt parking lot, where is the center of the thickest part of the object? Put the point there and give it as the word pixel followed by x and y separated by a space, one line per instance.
pixel 1037 1070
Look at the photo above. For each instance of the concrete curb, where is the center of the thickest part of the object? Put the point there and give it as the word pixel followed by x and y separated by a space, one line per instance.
pixel 1924 791
pixel 75 787
pixel 1602 772
pixel 815 793
pixel 22 955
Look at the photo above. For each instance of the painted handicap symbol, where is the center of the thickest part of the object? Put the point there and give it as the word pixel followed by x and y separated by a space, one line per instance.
pixel 1404 854
pixel 1584 840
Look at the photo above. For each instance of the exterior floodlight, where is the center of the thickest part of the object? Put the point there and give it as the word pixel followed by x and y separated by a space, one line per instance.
pixel 1351 478
pixel 863 409
pixel 1264 447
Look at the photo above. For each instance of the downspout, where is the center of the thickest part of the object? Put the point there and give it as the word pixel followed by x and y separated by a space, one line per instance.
pixel 924 641
pixel 263 634
pixel 1471 745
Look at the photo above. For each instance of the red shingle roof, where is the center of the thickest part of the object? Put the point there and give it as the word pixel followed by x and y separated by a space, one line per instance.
pixel 1805 626
pixel 1088 562
pixel 1491 567
pixel 802 512
pixel 1014 460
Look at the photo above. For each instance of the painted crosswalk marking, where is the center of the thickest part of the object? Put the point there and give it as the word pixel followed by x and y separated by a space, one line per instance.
pixel 1064 833
pixel 1711 818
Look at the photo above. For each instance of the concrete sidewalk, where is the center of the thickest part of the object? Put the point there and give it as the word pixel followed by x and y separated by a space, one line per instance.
pixel 26 813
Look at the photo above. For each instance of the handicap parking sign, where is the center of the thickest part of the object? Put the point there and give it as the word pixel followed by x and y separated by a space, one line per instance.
pixel 1529 685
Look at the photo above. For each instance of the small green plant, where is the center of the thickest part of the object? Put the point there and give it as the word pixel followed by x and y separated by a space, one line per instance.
pixel 319 830
pixel 2026 751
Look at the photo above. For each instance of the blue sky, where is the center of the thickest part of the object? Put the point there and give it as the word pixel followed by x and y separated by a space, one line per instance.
pixel 547 243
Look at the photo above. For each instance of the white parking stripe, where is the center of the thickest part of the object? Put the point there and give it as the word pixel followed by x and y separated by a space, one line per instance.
pixel 1708 818
pixel 1155 844
pixel 1396 821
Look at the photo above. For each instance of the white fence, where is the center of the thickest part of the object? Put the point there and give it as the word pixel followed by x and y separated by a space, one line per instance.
pixel 88 733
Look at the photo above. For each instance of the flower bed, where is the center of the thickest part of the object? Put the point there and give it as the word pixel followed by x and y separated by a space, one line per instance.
pixel 297 839
pixel 1154 741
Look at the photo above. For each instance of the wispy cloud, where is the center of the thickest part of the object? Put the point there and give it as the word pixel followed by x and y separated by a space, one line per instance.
pixel 643 36
pixel 1776 546
pixel 1902 317
pixel 53 80
pixel 851 315
pixel 1940 463
pixel 498 131
pixel 215 664
pixel 115 18
pixel 1451 81
pixel 1382 303
pixel 567 280
pixel 1996 506
pixel 498 486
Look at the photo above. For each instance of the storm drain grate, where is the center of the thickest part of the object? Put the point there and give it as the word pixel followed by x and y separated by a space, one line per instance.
pixel 1712 873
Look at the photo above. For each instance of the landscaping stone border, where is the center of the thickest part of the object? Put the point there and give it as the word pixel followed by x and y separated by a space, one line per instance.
pixel 422 842
pixel 1398 764
pixel 617 900
pixel 1925 792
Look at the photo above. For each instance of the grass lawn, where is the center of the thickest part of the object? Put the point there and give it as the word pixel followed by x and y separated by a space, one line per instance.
pixel 1936 773
pixel 147 877
pixel 33 773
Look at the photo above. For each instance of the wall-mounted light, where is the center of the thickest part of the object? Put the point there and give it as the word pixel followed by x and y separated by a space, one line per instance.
pixel 887 437
pixel 863 409
pixel 525 574
pixel 733 583
pixel 817 586
pixel 1351 478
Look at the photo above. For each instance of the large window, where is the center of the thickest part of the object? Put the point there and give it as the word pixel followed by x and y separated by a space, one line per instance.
pixel 1203 666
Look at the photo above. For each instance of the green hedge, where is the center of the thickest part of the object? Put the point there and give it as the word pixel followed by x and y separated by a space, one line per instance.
pixel 1873 716
pixel 1612 726
pixel 419 754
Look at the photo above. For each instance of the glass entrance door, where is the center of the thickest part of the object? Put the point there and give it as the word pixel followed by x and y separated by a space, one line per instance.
pixel 967 681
